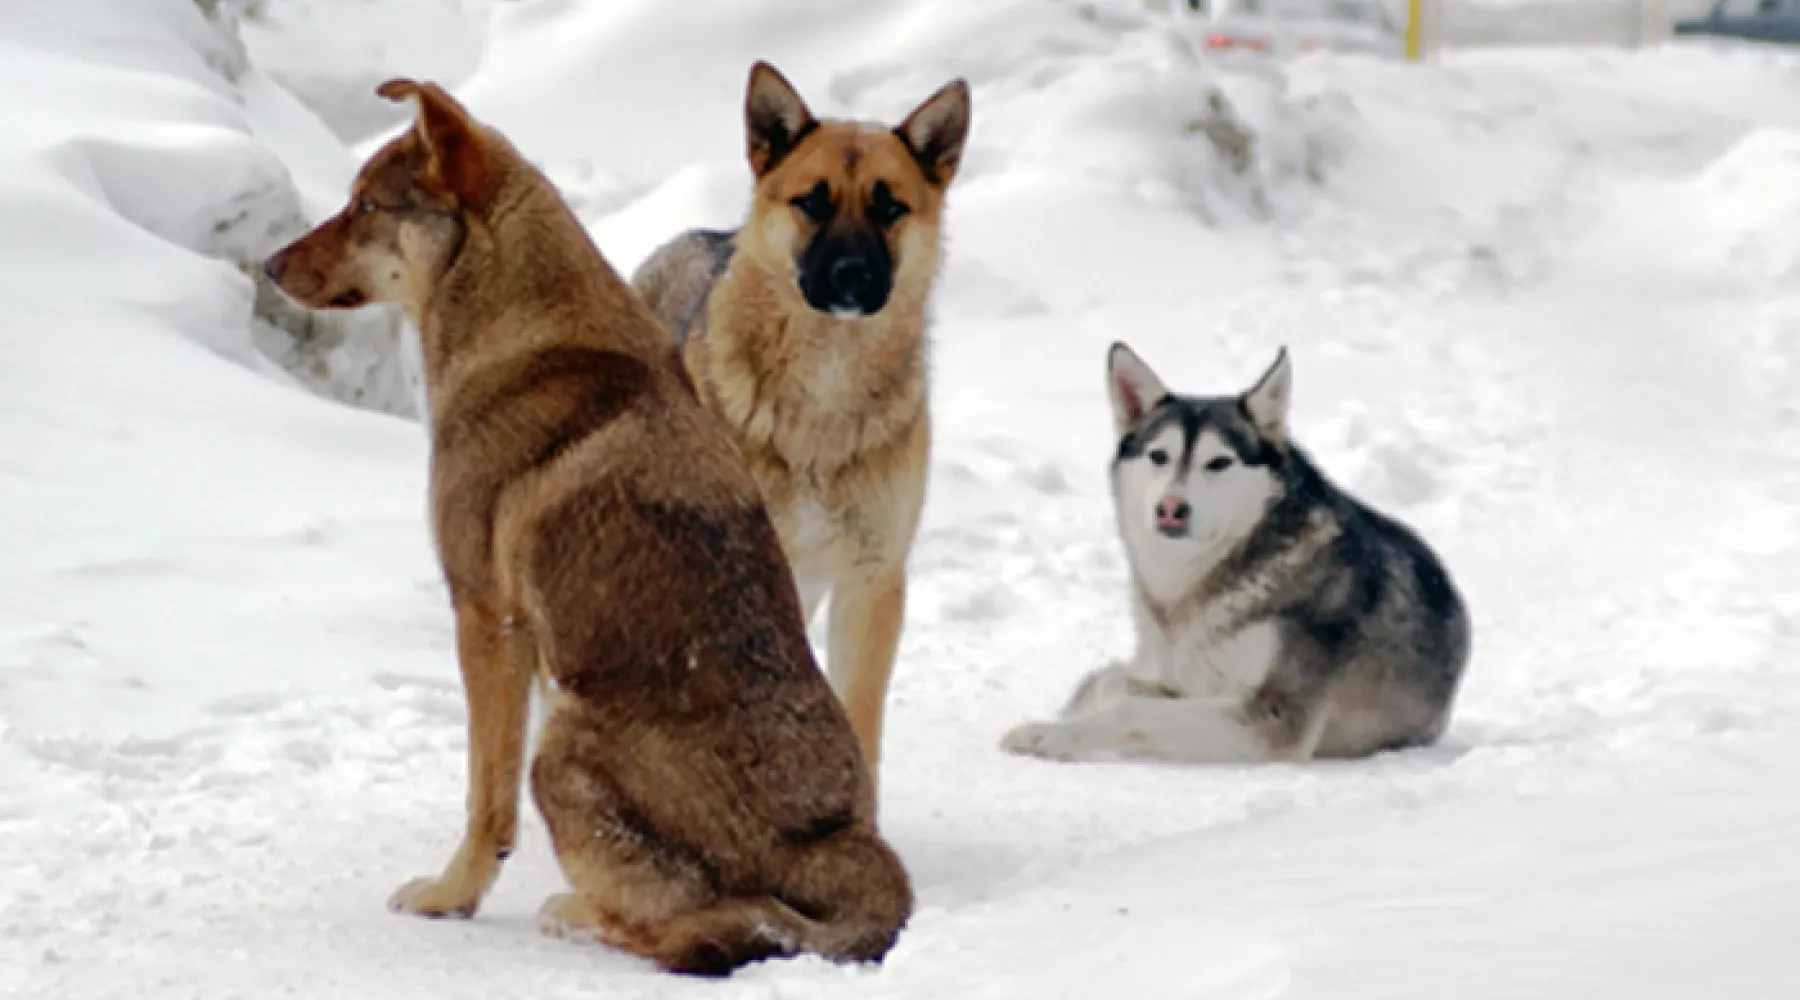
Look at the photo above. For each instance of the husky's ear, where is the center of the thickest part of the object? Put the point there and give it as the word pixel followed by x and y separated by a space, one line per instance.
pixel 457 161
pixel 1267 402
pixel 775 118
pixel 936 130
pixel 1132 386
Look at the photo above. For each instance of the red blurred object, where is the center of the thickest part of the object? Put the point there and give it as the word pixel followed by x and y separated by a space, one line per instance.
pixel 1218 40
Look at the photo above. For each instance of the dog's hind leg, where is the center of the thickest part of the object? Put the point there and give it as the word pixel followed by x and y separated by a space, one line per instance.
pixel 852 894
pixel 1187 730
pixel 633 890
pixel 845 898
pixel 498 663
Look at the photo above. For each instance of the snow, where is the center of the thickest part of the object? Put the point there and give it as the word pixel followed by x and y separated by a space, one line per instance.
pixel 1541 305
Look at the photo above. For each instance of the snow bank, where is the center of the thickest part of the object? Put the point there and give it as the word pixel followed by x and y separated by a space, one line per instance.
pixel 159 483
pixel 1749 199
pixel 332 53
pixel 1086 96
pixel 157 115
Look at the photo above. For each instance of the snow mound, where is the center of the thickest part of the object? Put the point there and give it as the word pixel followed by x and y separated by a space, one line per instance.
pixel 1751 198
pixel 160 130
pixel 332 53
pixel 1096 95
pixel 156 476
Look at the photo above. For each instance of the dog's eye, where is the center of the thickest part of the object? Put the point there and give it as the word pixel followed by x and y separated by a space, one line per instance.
pixel 365 207
pixel 1159 457
pixel 815 203
pixel 1219 464
pixel 884 208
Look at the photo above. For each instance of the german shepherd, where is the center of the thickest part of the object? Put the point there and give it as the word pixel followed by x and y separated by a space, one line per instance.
pixel 805 331
pixel 702 786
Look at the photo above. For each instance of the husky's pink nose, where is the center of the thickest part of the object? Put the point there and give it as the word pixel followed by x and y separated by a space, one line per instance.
pixel 1172 515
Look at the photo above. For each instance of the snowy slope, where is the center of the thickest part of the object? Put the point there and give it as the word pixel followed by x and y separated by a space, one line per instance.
pixel 1541 304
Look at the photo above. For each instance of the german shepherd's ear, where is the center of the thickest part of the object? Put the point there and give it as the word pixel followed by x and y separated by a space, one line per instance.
pixel 936 131
pixel 1267 402
pixel 775 118
pixel 1133 387
pixel 458 163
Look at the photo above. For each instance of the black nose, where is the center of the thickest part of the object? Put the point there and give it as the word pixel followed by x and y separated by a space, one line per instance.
pixel 275 265
pixel 850 277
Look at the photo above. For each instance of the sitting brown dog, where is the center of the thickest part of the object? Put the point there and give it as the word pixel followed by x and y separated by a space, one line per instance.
pixel 701 784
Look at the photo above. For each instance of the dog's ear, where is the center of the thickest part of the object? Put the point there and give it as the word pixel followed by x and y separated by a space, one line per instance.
pixel 1267 402
pixel 456 157
pixel 775 118
pixel 936 130
pixel 1133 387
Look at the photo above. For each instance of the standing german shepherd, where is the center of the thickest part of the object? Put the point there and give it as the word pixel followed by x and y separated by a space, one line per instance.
pixel 805 331
pixel 701 784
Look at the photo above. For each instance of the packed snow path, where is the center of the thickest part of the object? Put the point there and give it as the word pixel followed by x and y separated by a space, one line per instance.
pixel 1544 307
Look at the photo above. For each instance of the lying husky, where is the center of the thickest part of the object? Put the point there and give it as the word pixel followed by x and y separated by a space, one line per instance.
pixel 805 331
pixel 1278 619
pixel 702 786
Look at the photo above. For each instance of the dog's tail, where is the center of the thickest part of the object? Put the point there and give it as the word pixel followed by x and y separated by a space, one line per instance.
pixel 846 899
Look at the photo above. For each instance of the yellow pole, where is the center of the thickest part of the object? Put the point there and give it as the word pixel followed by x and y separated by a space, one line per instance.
pixel 1415 10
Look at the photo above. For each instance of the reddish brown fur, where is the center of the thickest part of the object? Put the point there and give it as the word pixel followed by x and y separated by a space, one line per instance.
pixel 831 414
pixel 702 787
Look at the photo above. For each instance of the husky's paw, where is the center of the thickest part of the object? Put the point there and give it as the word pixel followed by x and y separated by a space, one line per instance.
pixel 1041 739
pixel 429 897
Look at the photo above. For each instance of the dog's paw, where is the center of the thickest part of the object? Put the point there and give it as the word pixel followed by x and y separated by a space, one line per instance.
pixel 1040 739
pixel 565 915
pixel 429 897
pixel 559 917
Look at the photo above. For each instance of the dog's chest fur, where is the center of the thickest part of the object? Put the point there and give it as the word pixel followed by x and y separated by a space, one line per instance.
pixel 1220 636
pixel 830 416
pixel 1204 658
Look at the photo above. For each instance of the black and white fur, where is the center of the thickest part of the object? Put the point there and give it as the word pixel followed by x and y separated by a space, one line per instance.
pixel 1278 619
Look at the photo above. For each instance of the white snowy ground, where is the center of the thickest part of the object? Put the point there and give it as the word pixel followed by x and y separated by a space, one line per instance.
pixel 1545 306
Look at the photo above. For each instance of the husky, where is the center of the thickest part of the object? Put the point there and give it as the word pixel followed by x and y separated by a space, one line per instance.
pixel 805 331
pixel 1278 619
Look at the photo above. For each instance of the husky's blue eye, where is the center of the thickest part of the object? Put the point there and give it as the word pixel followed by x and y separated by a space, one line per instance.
pixel 1159 457
pixel 1219 464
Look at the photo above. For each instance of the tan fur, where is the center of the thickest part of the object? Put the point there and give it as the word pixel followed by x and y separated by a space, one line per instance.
pixel 830 413
pixel 703 788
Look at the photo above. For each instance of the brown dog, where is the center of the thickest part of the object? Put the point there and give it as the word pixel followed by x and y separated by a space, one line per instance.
pixel 702 787
pixel 805 331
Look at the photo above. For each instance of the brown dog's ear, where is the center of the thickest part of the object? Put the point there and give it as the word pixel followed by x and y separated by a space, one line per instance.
pixel 936 131
pixel 775 118
pixel 452 141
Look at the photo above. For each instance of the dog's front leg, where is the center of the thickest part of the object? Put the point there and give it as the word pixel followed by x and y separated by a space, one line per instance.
pixel 1109 685
pixel 1185 730
pixel 865 633
pixel 498 663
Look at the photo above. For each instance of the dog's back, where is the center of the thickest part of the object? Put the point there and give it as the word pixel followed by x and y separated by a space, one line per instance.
pixel 1374 624
pixel 675 280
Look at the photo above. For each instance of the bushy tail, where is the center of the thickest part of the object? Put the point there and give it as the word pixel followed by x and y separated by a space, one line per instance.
pixel 846 900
